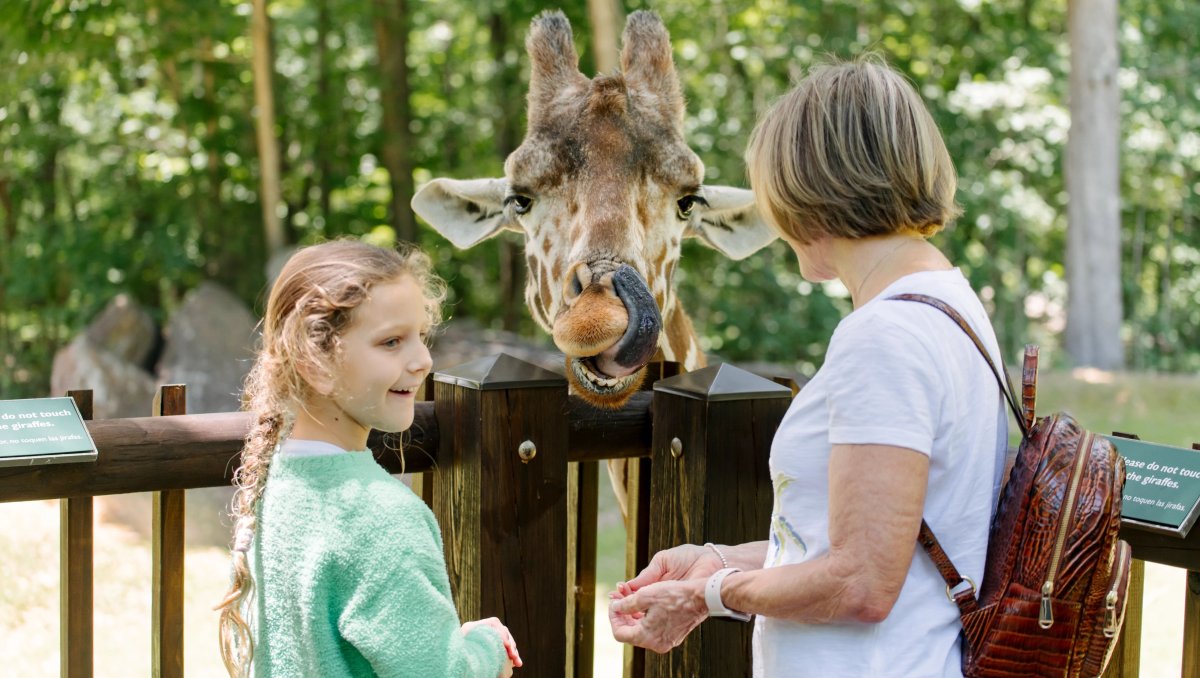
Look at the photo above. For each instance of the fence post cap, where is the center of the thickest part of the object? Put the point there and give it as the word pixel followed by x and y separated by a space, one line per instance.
pixel 499 372
pixel 722 381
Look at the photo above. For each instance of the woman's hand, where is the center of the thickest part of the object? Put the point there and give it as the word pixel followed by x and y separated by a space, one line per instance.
pixel 658 616
pixel 513 657
pixel 686 561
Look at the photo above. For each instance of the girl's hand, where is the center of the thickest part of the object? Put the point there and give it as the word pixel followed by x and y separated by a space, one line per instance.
pixel 510 644
pixel 506 671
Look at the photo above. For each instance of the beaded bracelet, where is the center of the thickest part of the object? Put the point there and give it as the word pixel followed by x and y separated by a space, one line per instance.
pixel 724 563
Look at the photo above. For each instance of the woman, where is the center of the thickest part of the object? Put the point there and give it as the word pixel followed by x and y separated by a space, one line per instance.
pixel 902 421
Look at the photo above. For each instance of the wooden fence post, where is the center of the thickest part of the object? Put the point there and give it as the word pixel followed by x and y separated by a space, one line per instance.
pixel 166 626
pixel 1191 625
pixel 1191 619
pixel 76 574
pixel 1127 654
pixel 637 516
pixel 500 496
pixel 710 482
pixel 584 486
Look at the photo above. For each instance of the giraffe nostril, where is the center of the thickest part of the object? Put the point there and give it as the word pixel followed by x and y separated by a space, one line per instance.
pixel 574 284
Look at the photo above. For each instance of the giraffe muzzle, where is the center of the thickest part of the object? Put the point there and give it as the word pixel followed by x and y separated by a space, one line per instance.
pixel 637 345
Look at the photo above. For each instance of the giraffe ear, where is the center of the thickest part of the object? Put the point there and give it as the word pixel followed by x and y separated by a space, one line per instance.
pixel 730 223
pixel 465 211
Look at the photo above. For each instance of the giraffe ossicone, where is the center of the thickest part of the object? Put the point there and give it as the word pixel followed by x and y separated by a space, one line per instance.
pixel 605 189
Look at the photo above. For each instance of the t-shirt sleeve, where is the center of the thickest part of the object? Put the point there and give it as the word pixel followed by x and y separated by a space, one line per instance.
pixel 884 387
pixel 399 615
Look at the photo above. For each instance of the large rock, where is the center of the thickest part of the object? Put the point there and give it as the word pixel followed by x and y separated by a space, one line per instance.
pixel 462 340
pixel 119 389
pixel 209 348
pixel 125 330
pixel 209 345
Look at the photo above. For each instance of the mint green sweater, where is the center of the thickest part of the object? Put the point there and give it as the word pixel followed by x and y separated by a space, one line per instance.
pixel 351 581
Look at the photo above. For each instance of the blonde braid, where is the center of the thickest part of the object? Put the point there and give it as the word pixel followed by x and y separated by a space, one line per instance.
pixel 237 641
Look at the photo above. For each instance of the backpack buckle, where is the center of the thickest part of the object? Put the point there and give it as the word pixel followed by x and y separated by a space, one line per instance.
pixel 951 594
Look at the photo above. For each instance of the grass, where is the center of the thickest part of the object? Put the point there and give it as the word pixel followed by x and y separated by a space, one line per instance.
pixel 1159 408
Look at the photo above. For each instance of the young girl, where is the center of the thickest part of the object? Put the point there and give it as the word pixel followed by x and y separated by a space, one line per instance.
pixel 337 566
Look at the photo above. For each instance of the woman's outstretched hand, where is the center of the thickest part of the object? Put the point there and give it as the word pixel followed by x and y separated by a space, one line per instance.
pixel 686 561
pixel 657 616
pixel 510 644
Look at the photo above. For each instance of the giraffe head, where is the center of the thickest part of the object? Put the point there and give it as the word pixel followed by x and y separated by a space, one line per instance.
pixel 604 189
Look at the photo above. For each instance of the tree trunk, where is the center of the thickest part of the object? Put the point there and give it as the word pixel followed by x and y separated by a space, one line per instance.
pixel 8 235
pixel 606 18
pixel 268 144
pixel 391 39
pixel 1093 334
pixel 508 126
pixel 324 149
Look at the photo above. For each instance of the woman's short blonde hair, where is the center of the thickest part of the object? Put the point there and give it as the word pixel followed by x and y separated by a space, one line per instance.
pixel 851 152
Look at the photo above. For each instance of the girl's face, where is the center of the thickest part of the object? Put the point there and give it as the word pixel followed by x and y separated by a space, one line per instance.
pixel 382 363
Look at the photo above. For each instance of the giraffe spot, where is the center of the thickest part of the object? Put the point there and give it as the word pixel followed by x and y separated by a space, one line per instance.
pixel 679 337
pixel 544 286
pixel 643 213
pixel 659 261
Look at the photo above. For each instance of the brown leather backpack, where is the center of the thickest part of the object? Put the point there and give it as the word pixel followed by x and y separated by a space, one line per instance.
pixel 1053 595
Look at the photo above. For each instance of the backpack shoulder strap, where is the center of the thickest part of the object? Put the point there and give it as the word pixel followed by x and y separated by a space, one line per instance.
pixel 964 599
pixel 1006 388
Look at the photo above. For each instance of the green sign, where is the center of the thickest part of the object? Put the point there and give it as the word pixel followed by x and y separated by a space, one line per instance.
pixel 1162 485
pixel 43 431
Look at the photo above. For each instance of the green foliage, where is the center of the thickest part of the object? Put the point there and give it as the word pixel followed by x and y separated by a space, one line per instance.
pixel 129 160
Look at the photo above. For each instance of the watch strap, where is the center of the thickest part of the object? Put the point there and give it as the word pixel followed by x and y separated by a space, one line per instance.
pixel 712 596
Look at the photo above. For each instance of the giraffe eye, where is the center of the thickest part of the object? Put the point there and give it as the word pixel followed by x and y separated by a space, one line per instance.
pixel 520 203
pixel 686 204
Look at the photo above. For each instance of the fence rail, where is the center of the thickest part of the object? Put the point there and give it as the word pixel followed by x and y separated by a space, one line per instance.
pixel 508 462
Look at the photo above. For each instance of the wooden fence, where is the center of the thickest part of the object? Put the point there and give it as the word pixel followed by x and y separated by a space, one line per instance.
pixel 509 462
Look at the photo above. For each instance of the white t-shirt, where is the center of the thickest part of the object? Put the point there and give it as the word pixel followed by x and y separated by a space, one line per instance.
pixel 896 373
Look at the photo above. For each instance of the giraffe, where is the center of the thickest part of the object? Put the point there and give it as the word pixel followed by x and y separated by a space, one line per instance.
pixel 605 189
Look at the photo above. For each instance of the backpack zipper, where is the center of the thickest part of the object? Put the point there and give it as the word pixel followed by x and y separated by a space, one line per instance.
pixel 1110 601
pixel 1046 613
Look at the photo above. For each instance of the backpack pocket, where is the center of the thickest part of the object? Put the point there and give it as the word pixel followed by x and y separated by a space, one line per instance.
pixel 1108 628
pixel 1016 645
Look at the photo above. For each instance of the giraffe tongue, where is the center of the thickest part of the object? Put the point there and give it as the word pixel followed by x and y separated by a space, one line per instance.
pixel 607 364
pixel 637 345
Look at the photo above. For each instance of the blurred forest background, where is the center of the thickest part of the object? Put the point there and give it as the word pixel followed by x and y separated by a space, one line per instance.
pixel 130 162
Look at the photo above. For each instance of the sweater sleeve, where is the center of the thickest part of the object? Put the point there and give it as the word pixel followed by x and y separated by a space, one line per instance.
pixel 398 613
